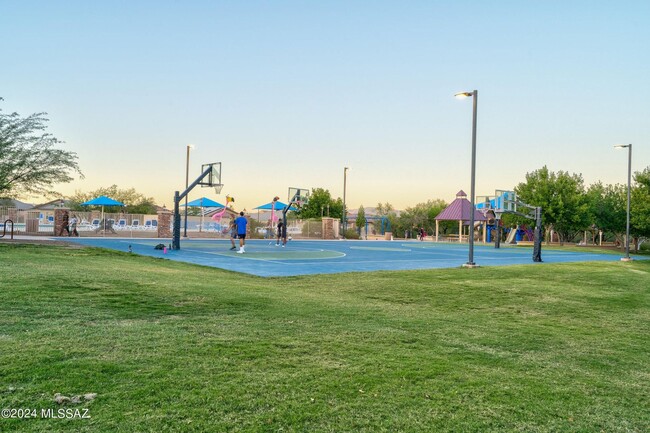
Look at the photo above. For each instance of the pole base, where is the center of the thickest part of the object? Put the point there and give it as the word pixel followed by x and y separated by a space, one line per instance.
pixel 470 265
pixel 627 259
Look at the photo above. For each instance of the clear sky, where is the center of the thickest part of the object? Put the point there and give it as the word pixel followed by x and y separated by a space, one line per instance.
pixel 288 93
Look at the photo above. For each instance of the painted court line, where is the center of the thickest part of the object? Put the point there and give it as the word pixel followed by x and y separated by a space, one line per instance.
pixel 326 257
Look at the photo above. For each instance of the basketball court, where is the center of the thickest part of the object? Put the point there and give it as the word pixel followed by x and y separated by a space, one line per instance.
pixel 306 257
pixel 300 257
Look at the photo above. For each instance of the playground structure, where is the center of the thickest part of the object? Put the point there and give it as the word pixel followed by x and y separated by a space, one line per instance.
pixel 383 221
pixel 507 202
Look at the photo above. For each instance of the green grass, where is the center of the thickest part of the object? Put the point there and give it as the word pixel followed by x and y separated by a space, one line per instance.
pixel 171 347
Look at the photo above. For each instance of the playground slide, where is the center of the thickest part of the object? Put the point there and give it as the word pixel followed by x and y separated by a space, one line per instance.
pixel 511 236
pixel 530 234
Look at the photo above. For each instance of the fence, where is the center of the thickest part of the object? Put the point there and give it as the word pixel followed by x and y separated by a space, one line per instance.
pixel 41 222
pixel 299 229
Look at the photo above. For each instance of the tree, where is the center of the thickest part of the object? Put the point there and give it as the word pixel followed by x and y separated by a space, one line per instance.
pixel 135 202
pixel 361 219
pixel 640 207
pixel 384 209
pixel 422 215
pixel 387 211
pixel 607 207
pixel 29 161
pixel 562 198
pixel 319 200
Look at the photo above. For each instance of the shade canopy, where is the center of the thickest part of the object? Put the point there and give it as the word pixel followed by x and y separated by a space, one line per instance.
pixel 269 206
pixel 204 202
pixel 460 210
pixel 102 200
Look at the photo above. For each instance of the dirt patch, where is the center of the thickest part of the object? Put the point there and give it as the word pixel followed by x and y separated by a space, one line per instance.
pixel 56 242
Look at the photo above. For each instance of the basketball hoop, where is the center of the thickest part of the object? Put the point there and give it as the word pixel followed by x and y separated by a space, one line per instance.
pixel 217 188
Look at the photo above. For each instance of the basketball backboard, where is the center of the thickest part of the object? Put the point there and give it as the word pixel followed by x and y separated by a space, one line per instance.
pixel 298 195
pixel 509 200
pixel 213 178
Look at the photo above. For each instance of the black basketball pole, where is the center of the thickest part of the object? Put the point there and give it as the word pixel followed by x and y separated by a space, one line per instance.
pixel 537 246
pixel 176 235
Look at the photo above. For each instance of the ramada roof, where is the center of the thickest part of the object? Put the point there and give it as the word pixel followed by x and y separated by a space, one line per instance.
pixel 460 209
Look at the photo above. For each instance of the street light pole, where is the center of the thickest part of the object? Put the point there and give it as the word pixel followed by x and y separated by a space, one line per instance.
pixel 345 219
pixel 474 94
pixel 627 257
pixel 187 179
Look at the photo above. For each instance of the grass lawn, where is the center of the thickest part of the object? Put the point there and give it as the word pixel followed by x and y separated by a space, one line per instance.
pixel 171 347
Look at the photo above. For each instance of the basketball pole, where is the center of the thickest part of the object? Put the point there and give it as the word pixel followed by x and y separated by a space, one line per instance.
pixel 187 177
pixel 176 234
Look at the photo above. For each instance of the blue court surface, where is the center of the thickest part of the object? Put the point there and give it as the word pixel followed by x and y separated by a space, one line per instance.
pixel 328 257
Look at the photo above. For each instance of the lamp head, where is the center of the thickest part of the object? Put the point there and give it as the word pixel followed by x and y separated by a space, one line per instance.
pixel 463 95
pixel 190 146
pixel 622 146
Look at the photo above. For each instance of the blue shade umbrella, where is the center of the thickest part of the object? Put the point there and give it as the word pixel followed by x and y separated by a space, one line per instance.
pixel 102 201
pixel 279 206
pixel 203 202
pixel 269 206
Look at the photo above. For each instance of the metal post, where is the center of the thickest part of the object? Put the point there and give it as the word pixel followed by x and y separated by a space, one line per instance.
pixel 187 179
pixel 470 262
pixel 345 217
pixel 474 94
pixel 537 236
pixel 176 235
pixel 497 234
pixel 629 183
pixel 627 257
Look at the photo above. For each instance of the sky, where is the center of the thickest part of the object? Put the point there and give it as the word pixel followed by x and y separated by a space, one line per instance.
pixel 288 93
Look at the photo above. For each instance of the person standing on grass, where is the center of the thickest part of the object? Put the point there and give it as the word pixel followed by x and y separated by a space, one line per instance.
pixel 241 222
pixel 232 229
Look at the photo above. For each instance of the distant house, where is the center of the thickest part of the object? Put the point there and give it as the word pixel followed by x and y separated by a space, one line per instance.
pixel 8 202
pixel 51 205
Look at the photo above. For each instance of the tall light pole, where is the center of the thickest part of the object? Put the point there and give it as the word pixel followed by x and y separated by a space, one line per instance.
pixel 627 257
pixel 345 219
pixel 187 184
pixel 474 94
